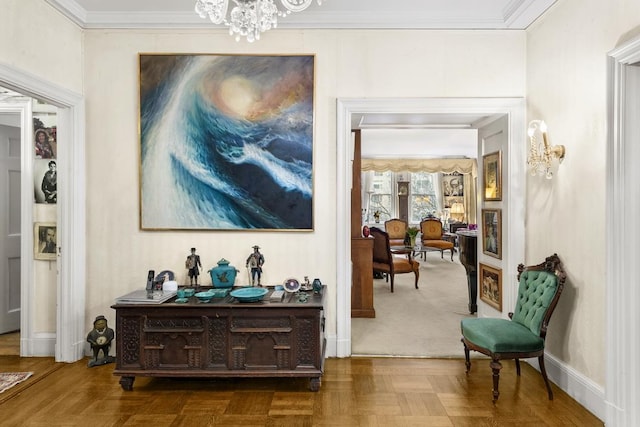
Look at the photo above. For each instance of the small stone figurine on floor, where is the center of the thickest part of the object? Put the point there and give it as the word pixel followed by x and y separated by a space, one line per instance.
pixel 100 339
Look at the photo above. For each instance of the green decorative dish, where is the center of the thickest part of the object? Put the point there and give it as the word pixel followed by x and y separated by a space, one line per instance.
pixel 249 294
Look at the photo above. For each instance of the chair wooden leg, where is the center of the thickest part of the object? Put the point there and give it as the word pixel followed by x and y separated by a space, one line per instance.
pixel 391 281
pixel 451 250
pixel 441 254
pixel 467 360
pixel 544 375
pixel 417 274
pixel 495 367
pixel 518 367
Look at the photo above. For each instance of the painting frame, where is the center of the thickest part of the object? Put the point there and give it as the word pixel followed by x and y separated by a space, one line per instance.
pixel 226 141
pixel 41 241
pixel 491 285
pixel 492 176
pixel 492 232
pixel 453 184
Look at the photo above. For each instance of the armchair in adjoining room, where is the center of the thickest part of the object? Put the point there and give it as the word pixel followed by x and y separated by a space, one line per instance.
pixel 523 336
pixel 397 230
pixel 432 236
pixel 385 262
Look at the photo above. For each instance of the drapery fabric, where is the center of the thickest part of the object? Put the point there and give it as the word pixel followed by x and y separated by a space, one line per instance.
pixel 467 167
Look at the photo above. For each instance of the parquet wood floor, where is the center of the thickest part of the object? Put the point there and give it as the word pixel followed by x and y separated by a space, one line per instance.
pixel 10 344
pixel 354 392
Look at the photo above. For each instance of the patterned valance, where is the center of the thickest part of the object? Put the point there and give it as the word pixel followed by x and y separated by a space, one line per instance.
pixel 469 166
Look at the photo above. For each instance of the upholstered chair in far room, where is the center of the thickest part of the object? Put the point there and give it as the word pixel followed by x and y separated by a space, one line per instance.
pixel 396 228
pixel 523 335
pixel 432 236
pixel 387 263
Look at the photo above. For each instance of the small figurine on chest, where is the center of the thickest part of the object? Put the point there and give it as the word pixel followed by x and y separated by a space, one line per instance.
pixel 100 339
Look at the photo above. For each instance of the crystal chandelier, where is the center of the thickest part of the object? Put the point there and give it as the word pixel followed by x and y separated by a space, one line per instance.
pixel 249 18
pixel 541 154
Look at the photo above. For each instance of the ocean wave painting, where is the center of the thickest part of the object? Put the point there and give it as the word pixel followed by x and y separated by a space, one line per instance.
pixel 226 142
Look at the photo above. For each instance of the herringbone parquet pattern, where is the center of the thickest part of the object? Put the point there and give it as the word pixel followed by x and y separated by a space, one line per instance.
pixel 354 392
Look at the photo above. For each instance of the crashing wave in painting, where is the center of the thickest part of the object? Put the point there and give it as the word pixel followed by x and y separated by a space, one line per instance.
pixel 226 142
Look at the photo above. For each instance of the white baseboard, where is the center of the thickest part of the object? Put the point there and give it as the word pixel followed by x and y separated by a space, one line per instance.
pixel 332 347
pixel 41 345
pixel 580 388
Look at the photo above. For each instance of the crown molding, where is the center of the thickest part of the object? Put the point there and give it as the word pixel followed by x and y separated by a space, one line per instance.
pixel 517 14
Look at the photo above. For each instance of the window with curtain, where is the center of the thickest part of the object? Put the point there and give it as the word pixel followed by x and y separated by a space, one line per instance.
pixel 422 196
pixel 382 196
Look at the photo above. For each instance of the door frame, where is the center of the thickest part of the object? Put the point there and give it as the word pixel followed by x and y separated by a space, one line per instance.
pixel 622 372
pixel 513 158
pixel 68 344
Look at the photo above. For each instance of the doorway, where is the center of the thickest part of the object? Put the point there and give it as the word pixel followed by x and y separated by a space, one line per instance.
pixel 623 318
pixel 513 158
pixel 67 343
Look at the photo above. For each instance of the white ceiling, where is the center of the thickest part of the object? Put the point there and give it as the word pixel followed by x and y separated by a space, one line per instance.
pixel 433 14
pixel 343 14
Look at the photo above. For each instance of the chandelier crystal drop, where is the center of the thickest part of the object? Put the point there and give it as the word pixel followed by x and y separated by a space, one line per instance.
pixel 249 18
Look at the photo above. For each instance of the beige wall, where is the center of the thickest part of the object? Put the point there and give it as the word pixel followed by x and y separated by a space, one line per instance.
pixel 36 38
pixel 348 64
pixel 566 86
pixel 559 63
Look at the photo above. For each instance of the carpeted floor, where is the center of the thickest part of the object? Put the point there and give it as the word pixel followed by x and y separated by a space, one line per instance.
pixel 422 322
pixel 9 379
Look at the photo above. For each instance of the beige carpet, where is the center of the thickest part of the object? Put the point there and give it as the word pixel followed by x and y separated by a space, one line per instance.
pixel 422 322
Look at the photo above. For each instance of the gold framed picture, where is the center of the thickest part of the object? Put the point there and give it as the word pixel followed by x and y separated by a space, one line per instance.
pixel 44 241
pixel 226 141
pixel 492 175
pixel 492 232
pixel 491 286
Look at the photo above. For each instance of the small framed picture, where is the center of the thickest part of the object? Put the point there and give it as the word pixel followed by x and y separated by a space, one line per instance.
pixel 452 185
pixel 491 286
pixel 492 175
pixel 492 232
pixel 45 241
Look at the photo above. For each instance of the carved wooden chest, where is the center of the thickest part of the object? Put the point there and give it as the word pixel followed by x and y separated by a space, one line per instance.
pixel 222 338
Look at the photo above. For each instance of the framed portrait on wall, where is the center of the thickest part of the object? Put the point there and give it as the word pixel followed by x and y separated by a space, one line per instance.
pixel 45 185
pixel 491 286
pixel 226 142
pixel 45 238
pixel 492 176
pixel 452 185
pixel 492 232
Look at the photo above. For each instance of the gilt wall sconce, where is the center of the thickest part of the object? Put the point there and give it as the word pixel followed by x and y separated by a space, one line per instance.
pixel 541 154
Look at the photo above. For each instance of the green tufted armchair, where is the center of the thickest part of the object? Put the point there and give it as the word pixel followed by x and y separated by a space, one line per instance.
pixel 524 335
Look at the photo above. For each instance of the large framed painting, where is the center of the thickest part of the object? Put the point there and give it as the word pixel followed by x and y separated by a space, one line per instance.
pixel 45 239
pixel 492 232
pixel 226 142
pixel 491 286
pixel 492 176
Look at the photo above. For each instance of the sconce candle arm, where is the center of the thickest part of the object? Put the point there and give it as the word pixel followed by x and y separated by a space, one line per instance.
pixel 540 158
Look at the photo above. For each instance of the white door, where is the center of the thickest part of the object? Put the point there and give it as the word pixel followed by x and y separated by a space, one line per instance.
pixel 10 171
